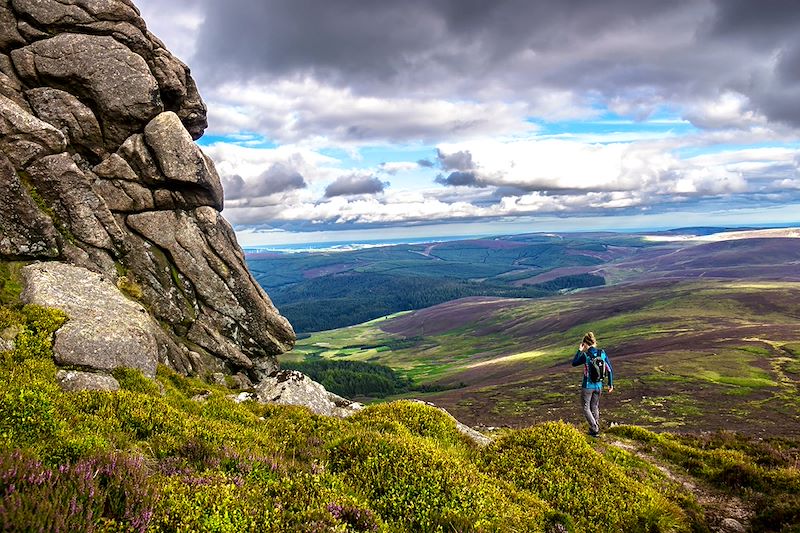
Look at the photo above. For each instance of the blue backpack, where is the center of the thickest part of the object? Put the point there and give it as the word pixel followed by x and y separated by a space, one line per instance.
pixel 597 366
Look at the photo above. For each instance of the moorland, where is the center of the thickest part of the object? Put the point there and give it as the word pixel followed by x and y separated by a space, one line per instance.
pixel 703 335
pixel 692 352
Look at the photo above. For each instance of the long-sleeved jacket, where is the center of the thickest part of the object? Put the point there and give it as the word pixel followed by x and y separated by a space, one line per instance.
pixel 582 358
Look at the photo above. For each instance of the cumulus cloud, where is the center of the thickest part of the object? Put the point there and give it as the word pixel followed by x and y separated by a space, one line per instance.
pixel 460 160
pixel 353 185
pixel 301 110
pixel 251 162
pixel 234 186
pixel 533 164
pixel 460 178
pixel 729 110
pixel 176 23
pixel 469 88
pixel 399 166
pixel 276 179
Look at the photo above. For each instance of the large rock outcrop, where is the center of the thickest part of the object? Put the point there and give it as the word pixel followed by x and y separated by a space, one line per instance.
pixel 99 170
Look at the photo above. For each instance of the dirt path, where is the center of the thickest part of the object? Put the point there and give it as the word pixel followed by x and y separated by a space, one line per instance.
pixel 725 513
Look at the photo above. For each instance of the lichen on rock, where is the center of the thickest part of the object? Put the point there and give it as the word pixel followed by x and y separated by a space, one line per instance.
pixel 105 330
pixel 290 387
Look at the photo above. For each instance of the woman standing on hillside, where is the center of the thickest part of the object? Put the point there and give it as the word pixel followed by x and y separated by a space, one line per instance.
pixel 596 367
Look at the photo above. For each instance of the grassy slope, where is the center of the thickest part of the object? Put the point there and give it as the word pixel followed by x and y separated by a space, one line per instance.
pixel 689 355
pixel 152 458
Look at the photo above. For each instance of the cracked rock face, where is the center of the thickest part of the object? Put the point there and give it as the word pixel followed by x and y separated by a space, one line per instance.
pixel 99 170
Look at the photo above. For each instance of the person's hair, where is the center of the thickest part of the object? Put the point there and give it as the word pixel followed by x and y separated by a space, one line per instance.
pixel 589 339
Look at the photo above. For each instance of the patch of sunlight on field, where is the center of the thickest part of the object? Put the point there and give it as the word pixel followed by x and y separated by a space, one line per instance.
pixel 761 285
pixel 736 368
pixel 523 356
pixel 385 318
pixel 776 345
pixel 749 382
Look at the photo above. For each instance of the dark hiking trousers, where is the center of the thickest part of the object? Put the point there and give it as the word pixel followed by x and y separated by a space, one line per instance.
pixel 590 398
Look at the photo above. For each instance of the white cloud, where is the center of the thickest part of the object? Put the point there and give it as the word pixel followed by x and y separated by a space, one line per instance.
pixel 518 177
pixel 233 159
pixel 176 23
pixel 396 167
pixel 651 168
pixel 292 111
pixel 544 164
pixel 706 181
pixel 728 110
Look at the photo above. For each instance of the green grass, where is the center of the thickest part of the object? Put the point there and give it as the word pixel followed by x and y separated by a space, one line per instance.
pixel 171 463
pixel 709 342
pixel 765 472
pixel 158 460
pixel 10 281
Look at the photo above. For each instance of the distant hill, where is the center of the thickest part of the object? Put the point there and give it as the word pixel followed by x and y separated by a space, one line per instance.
pixel 325 290
pixel 318 291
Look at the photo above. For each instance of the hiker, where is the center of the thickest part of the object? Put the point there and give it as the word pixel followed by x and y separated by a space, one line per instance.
pixel 596 367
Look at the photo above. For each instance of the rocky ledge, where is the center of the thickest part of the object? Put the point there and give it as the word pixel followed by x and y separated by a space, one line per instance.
pixel 100 178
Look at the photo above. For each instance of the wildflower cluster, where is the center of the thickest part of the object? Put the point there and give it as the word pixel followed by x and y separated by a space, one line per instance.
pixel 111 488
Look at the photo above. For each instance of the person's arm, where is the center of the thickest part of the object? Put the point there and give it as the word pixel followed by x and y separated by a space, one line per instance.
pixel 610 374
pixel 579 359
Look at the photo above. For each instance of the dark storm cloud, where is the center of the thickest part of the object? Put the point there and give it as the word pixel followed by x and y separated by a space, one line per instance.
pixel 276 179
pixel 460 178
pixel 459 161
pixel 425 163
pixel 770 28
pixel 390 39
pixel 352 185
pixel 633 54
pixel 761 23
pixel 233 186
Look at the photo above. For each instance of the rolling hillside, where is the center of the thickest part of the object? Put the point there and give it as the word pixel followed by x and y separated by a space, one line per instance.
pixel 325 290
pixel 702 336
pixel 329 289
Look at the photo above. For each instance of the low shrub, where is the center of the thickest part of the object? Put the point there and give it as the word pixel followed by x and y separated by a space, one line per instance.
pixel 731 463
pixel 104 492
pixel 28 398
pixel 415 418
pixel 555 462
pixel 416 485
pixel 132 379
pixel 778 514
pixel 27 414
pixel 151 457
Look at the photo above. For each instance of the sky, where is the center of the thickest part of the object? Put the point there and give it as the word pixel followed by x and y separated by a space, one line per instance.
pixel 335 120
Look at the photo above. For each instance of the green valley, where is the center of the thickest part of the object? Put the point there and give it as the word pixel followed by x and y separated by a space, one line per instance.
pixel 690 352
pixel 325 290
